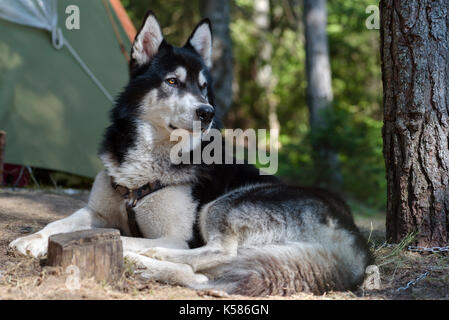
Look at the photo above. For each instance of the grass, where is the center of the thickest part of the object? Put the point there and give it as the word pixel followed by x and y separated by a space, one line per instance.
pixel 400 246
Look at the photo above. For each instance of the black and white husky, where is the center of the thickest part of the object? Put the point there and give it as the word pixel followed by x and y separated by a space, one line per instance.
pixel 205 226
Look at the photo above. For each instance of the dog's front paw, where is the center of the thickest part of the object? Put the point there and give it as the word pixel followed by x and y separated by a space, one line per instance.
pixel 198 279
pixel 155 253
pixel 35 245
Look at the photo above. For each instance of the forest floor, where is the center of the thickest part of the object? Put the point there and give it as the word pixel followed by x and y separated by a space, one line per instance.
pixel 26 211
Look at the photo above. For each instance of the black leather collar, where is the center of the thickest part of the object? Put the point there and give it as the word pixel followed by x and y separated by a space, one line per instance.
pixel 132 196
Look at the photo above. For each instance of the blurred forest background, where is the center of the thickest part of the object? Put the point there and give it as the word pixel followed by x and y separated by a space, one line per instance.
pixel 269 36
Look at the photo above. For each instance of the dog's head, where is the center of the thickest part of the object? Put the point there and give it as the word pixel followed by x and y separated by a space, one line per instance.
pixel 170 85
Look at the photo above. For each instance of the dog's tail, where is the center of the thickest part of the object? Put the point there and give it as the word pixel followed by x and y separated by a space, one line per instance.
pixel 289 268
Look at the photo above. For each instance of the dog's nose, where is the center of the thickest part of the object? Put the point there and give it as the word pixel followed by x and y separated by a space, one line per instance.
pixel 205 113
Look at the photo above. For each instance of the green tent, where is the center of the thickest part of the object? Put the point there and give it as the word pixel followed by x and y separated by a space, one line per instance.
pixel 55 100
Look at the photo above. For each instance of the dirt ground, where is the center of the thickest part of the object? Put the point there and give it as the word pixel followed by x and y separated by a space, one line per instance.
pixel 25 211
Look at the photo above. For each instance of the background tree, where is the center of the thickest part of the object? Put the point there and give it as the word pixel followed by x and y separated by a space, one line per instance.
pixel 319 86
pixel 415 69
pixel 218 11
pixel 264 74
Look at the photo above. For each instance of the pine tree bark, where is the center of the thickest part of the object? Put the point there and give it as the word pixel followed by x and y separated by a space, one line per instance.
pixel 218 11
pixel 415 71
pixel 319 84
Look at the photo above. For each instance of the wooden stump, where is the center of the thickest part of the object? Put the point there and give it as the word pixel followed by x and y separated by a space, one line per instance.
pixel 96 253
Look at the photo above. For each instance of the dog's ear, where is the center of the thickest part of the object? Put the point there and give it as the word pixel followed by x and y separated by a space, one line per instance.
pixel 201 41
pixel 147 41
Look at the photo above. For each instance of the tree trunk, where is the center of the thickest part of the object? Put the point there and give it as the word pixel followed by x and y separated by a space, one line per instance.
pixel 319 86
pixel 265 77
pixel 415 71
pixel 218 12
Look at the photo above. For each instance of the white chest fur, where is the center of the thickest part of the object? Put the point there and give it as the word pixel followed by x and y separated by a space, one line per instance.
pixel 169 212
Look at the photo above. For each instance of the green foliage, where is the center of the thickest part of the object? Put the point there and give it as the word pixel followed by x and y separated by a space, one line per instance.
pixel 356 127
pixel 177 17
pixel 357 140
pixel 355 59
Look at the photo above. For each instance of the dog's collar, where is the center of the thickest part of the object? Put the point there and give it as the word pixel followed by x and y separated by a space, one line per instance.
pixel 131 197
pixel 134 195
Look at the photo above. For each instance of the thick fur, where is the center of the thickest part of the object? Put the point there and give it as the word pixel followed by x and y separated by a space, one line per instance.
pixel 290 239
pixel 212 226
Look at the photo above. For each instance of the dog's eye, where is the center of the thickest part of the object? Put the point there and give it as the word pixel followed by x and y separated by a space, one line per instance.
pixel 172 81
pixel 204 86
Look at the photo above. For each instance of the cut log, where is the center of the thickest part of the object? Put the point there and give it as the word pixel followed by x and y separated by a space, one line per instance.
pixel 96 253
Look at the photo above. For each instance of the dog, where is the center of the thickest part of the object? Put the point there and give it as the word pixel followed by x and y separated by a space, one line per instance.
pixel 217 226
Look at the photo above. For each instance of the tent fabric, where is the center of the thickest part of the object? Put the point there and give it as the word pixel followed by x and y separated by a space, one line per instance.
pixel 34 13
pixel 43 14
pixel 52 111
